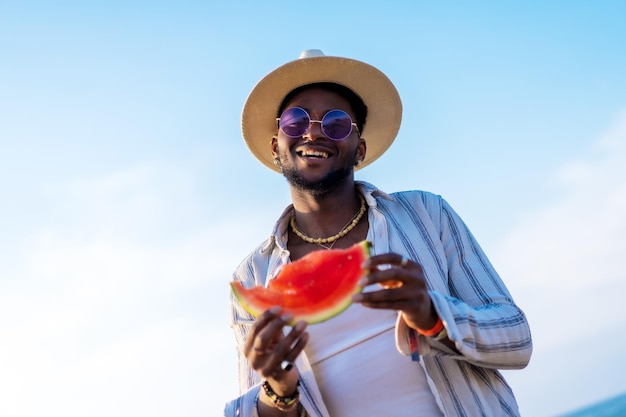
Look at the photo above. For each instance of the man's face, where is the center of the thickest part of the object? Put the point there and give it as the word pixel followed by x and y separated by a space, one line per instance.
pixel 313 162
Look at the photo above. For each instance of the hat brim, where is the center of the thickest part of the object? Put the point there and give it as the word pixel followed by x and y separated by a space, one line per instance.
pixel 384 107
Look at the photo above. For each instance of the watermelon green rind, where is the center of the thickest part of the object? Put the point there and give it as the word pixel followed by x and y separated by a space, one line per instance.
pixel 243 296
pixel 307 288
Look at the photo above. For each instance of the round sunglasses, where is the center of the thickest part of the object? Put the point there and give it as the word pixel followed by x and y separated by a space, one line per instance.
pixel 336 124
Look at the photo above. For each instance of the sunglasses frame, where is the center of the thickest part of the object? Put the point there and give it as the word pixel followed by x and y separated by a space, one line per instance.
pixel 352 124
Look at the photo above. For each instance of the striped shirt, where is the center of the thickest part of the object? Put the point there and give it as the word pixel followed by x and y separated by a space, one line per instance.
pixel 489 331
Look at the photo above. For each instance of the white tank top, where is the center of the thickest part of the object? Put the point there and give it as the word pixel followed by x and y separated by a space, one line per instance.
pixel 361 373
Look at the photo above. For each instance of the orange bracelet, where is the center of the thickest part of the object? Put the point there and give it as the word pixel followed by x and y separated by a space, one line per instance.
pixel 433 330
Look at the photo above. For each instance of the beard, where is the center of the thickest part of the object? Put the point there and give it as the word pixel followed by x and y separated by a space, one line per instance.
pixel 323 185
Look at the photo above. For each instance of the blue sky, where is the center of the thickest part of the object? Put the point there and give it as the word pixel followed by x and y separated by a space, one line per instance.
pixel 129 197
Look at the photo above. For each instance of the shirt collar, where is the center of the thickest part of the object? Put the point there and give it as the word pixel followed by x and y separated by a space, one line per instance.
pixel 280 231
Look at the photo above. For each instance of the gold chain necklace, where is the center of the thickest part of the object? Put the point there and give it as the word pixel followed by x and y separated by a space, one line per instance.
pixel 331 239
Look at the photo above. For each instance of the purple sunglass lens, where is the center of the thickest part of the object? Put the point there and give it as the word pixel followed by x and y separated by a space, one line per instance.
pixel 336 124
pixel 294 122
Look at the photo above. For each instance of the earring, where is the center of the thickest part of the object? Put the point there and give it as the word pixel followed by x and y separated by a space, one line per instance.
pixel 276 161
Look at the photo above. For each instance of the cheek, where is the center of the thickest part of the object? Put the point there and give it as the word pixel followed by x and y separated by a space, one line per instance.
pixel 281 149
pixel 354 148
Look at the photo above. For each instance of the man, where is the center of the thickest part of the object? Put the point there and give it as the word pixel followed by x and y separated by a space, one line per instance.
pixel 432 344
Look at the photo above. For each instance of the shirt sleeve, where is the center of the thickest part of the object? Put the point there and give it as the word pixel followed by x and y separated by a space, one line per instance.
pixel 251 272
pixel 243 406
pixel 241 323
pixel 479 314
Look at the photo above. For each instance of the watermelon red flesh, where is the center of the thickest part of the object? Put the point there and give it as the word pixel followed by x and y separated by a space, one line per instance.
pixel 314 288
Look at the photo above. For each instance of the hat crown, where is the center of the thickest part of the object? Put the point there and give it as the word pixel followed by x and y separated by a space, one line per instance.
pixel 311 53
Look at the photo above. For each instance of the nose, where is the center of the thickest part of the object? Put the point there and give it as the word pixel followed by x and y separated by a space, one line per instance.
pixel 314 131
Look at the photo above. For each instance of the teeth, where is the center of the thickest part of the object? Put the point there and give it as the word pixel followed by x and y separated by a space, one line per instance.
pixel 317 154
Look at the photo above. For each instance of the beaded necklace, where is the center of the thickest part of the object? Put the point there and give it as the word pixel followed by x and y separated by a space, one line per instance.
pixel 331 239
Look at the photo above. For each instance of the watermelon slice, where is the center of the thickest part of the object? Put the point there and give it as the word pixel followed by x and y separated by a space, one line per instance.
pixel 314 288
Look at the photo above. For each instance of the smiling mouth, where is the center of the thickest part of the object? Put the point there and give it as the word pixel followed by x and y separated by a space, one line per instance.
pixel 313 154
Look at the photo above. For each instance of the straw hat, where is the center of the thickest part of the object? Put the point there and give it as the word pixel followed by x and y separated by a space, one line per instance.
pixel 384 108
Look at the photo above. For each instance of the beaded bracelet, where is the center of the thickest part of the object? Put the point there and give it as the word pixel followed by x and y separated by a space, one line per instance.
pixel 282 403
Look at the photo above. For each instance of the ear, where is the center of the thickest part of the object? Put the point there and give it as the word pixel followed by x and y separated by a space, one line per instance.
pixel 361 150
pixel 274 146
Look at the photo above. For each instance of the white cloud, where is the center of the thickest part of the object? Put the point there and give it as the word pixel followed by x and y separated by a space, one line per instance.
pixel 565 265
pixel 575 245
pixel 102 316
